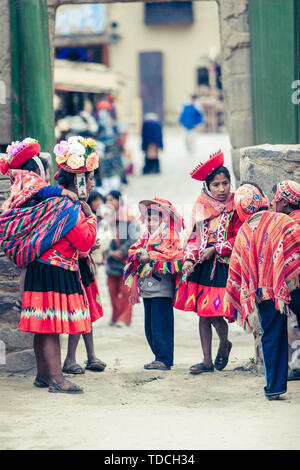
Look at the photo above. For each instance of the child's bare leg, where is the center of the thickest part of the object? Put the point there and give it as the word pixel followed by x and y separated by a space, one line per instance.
pixel 93 363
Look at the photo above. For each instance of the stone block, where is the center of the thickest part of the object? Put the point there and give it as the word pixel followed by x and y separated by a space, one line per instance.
pixel 7 312
pixel 16 340
pixel 239 62
pixel 21 361
pixel 268 164
pixel 233 8
pixel 235 155
pixel 240 130
pixel 238 94
pixel 7 268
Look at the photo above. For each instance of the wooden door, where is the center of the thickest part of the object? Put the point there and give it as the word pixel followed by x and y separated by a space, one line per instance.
pixel 151 82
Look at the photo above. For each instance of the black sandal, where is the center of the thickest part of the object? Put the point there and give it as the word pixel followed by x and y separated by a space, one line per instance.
pixel 200 368
pixel 39 383
pixel 222 361
pixel 95 365
pixel 74 369
pixel 73 389
pixel 273 397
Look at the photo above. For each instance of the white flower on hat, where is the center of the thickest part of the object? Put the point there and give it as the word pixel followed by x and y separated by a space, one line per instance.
pixel 77 148
pixel 75 161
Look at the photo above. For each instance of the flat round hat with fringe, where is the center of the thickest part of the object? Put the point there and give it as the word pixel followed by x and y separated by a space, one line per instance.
pixel 166 207
pixel 203 170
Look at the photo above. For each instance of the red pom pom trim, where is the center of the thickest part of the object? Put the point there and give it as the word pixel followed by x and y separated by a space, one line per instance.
pixel 4 166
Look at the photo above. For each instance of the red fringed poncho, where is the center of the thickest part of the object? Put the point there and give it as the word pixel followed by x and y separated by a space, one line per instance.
pixel 263 261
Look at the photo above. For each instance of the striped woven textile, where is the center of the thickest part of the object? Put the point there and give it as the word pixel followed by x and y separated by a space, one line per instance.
pixel 26 233
pixel 263 261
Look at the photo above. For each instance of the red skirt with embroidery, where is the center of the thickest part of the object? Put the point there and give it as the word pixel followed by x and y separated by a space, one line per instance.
pixel 204 295
pixel 53 301
pixel 90 285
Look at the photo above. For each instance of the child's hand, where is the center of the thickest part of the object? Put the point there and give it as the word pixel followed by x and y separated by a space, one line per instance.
pixel 187 268
pixel 207 253
pixel 142 256
pixel 70 195
pixel 96 245
pixel 86 208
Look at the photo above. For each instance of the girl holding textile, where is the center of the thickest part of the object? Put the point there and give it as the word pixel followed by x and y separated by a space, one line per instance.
pixel 154 262
pixel 208 249
pixel 264 265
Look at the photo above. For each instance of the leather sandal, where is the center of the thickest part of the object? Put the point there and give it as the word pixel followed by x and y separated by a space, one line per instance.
pixel 74 369
pixel 39 383
pixel 95 364
pixel 222 361
pixel 156 365
pixel 73 388
pixel 200 368
pixel 273 397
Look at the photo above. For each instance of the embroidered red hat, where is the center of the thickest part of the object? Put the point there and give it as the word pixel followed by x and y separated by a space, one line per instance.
pixel 203 170
pixel 19 153
pixel 166 207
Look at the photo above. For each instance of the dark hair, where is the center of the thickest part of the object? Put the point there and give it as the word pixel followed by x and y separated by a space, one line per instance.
pixel 31 165
pixel 154 211
pixel 115 194
pixel 45 163
pixel 218 171
pixel 95 195
pixel 255 185
pixel 65 178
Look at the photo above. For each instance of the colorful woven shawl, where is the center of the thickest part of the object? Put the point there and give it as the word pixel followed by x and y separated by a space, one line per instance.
pixel 164 251
pixel 25 184
pixel 263 261
pixel 25 234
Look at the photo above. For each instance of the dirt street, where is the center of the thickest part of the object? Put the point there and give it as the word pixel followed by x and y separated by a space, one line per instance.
pixel 126 407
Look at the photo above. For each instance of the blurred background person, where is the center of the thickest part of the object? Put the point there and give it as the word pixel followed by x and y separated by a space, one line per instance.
pixel 191 116
pixel 124 237
pixel 152 142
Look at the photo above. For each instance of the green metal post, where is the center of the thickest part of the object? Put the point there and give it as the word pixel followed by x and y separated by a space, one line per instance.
pixel 273 38
pixel 16 98
pixel 36 73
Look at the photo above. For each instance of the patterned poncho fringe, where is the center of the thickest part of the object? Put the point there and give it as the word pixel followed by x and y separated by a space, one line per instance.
pixel 263 261
pixel 26 233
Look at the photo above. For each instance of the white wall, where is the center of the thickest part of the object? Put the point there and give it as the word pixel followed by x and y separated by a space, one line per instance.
pixel 182 48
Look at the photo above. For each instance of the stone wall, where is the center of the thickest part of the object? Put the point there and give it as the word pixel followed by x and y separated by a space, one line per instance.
pixel 19 355
pixel 236 75
pixel 268 164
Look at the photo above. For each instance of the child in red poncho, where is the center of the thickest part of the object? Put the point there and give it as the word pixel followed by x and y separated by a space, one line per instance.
pixel 264 264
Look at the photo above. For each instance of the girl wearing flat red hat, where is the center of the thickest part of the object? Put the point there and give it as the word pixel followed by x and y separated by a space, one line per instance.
pixel 207 254
pixel 154 263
